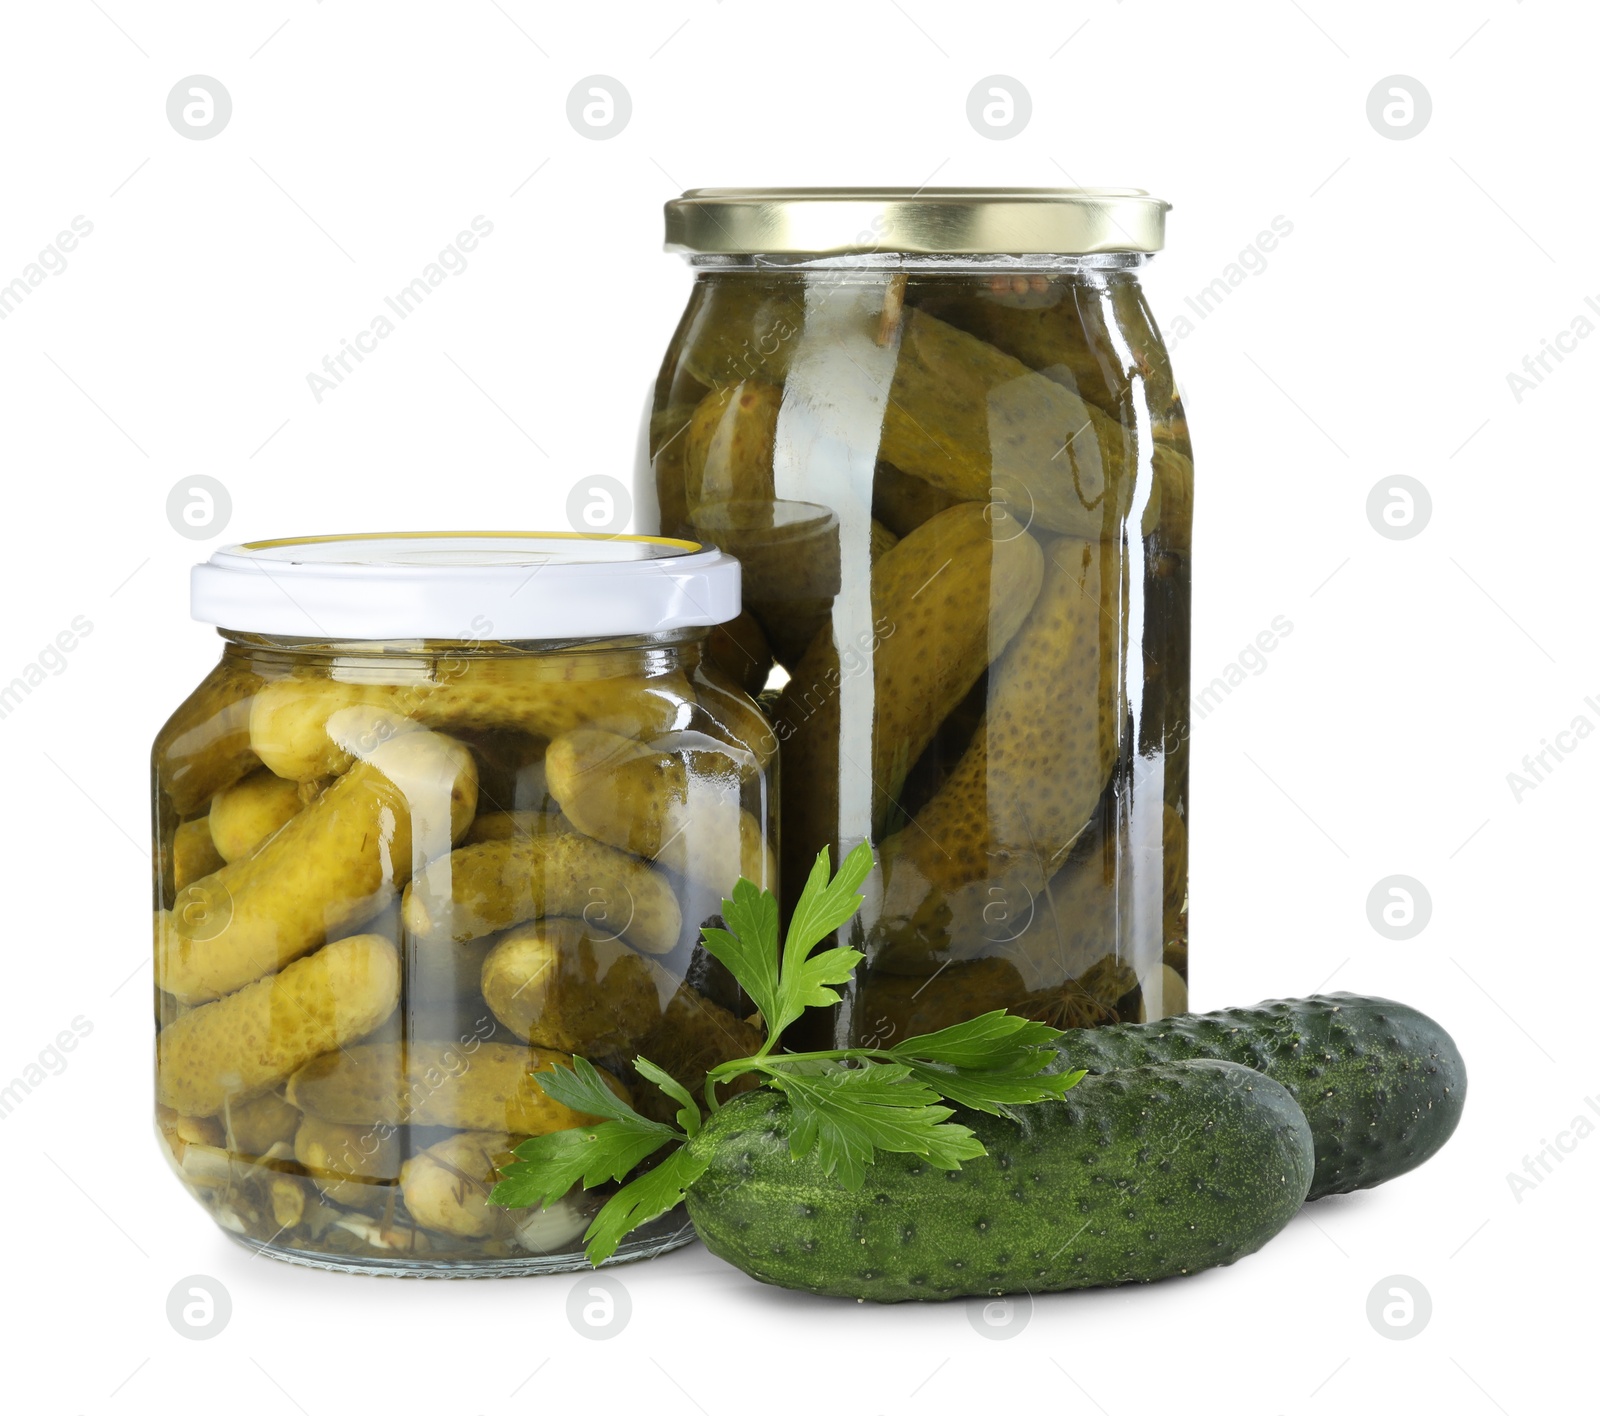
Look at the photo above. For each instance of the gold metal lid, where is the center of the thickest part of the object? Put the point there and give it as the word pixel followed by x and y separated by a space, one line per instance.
pixel 923 220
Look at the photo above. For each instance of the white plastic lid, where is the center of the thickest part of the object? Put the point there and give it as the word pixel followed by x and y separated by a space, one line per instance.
pixel 466 585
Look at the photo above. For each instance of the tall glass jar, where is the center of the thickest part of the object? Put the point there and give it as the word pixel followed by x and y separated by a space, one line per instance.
pixel 940 430
pixel 450 811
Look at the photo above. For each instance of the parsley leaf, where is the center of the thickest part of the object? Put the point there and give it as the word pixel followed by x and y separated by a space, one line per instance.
pixel 848 1112
pixel 688 1111
pixel 641 1200
pixel 582 1088
pixel 989 1063
pixel 550 1165
pixel 994 1039
pixel 749 946
pixel 995 1089
pixel 824 907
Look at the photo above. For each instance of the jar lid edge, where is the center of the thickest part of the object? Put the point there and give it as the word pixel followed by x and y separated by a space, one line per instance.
pixel 916 220
pixel 465 585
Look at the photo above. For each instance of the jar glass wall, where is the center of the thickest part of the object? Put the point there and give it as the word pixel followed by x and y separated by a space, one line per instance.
pixel 961 487
pixel 394 881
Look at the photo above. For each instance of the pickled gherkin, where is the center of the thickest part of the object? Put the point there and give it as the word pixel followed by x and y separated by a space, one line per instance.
pixel 950 582
pixel 902 502
pixel 727 454
pixel 961 486
pixel 741 328
pixel 1056 327
pixel 974 422
pixel 1028 785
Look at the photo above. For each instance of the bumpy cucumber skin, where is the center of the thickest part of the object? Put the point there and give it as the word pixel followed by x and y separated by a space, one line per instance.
pixel 1381 1084
pixel 1133 1176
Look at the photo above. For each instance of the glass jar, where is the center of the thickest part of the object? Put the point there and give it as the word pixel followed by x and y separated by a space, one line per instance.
pixel 451 810
pixel 941 431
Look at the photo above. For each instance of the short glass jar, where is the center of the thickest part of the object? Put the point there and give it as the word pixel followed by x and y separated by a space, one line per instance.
pixel 940 429
pixel 451 810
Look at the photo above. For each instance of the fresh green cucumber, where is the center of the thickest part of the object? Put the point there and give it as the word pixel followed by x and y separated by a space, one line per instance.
pixel 1381 1084
pixel 1136 1175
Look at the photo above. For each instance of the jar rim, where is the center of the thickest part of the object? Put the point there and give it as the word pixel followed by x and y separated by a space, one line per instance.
pixel 465 586
pixel 921 220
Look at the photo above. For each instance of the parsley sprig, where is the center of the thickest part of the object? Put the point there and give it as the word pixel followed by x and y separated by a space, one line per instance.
pixel 846 1103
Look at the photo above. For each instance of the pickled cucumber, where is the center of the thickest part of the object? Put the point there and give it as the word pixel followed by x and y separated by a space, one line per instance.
pixel 194 854
pixel 969 419
pixel 345 1162
pixel 902 502
pixel 740 327
pixel 1099 341
pixel 740 650
pixel 443 974
pixel 1174 877
pixel 1029 783
pixel 693 1036
pixel 244 815
pixel 1174 475
pixel 1060 330
pixel 679 808
pixel 727 453
pixel 892 1007
pixel 205 745
pixel 510 825
pixel 252 1041
pixel 255 1127
pixel 737 726
pixel 789 551
pixel 946 600
pixel 490 1087
pixel 557 985
pixel 446 1189
pixel 510 768
pixel 1069 926
pixel 480 889
pixel 335 864
pixel 289 719
pixel 1137 327
pixel 447 1186
pixel 665 446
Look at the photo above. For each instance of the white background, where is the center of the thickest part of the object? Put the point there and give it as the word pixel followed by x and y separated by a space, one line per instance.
pixel 1376 741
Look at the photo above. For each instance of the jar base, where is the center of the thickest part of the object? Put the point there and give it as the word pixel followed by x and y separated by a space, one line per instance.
pixel 416 1266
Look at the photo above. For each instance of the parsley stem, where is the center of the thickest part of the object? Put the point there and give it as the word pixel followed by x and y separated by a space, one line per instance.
pixel 763 1061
